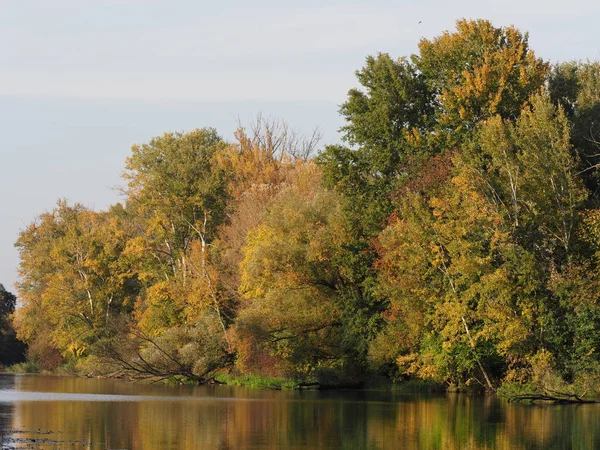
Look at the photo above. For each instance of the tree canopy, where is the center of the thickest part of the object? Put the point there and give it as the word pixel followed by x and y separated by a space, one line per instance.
pixel 453 237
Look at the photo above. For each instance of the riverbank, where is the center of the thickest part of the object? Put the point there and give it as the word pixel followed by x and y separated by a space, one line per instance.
pixel 510 391
pixel 108 413
pixel 375 383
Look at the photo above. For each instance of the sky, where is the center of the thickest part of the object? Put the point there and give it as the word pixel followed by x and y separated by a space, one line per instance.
pixel 83 80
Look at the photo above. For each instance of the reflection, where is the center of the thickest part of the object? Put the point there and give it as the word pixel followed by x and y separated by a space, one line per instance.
pixel 229 418
pixel 6 414
pixel 7 382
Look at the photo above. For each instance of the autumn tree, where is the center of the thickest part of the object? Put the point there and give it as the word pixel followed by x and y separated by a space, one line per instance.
pixel 75 278
pixel 292 316
pixel 409 109
pixel 478 72
pixel 259 162
pixel 178 193
pixel 437 262
pixel 467 262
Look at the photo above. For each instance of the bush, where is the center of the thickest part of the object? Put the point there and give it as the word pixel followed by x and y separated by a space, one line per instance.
pixel 24 367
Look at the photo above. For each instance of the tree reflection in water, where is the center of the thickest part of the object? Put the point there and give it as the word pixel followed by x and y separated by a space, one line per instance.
pixel 227 418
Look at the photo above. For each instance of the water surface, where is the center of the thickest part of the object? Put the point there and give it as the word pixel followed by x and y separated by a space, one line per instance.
pixel 60 412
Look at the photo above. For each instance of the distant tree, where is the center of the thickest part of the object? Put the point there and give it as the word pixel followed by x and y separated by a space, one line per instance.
pixel 11 349
pixel 8 303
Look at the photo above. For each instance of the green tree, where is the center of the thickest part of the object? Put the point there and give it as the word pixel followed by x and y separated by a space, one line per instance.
pixel 409 110
pixel 11 349
pixel 389 116
pixel 178 192
pixel 527 169
pixel 177 188
pixel 8 303
pixel 575 86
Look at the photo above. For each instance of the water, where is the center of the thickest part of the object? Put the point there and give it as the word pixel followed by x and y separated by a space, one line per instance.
pixel 59 412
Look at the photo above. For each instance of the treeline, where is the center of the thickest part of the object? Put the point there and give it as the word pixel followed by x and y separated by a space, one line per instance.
pixel 455 237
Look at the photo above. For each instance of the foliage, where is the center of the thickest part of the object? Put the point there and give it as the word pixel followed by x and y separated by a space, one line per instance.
pixel 411 109
pixel 575 87
pixel 177 189
pixel 24 367
pixel 74 276
pixel 11 349
pixel 468 263
pixel 289 281
pixel 255 381
pixel 478 72
pixel 453 239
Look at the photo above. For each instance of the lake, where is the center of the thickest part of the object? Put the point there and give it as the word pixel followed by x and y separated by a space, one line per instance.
pixel 53 412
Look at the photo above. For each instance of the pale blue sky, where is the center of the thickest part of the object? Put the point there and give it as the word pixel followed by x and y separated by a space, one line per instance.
pixel 82 80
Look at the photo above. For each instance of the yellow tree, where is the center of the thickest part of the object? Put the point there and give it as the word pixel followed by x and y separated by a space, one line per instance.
pixel 477 72
pixel 291 316
pixel 177 191
pixel 259 163
pixel 75 279
pixel 438 264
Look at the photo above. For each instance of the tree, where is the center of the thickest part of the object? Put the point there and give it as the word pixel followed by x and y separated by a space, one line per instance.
pixel 177 187
pixel 467 259
pixel 8 303
pixel 478 72
pixel 261 161
pixel 409 110
pixel 437 265
pixel 575 86
pixel 388 118
pixel 178 192
pixel 291 314
pixel 528 170
pixel 75 278
pixel 11 349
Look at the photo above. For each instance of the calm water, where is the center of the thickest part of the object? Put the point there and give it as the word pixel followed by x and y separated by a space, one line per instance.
pixel 57 412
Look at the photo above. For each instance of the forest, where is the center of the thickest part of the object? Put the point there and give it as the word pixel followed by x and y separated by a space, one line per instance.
pixel 452 238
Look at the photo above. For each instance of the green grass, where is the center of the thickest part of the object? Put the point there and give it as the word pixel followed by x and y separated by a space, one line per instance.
pixel 375 384
pixel 255 381
pixel 177 380
pixel 24 367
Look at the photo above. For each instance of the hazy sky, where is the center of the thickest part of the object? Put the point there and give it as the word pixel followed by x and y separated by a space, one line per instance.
pixel 82 80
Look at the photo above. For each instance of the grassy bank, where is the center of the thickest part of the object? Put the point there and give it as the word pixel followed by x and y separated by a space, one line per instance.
pixel 24 367
pixel 255 381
